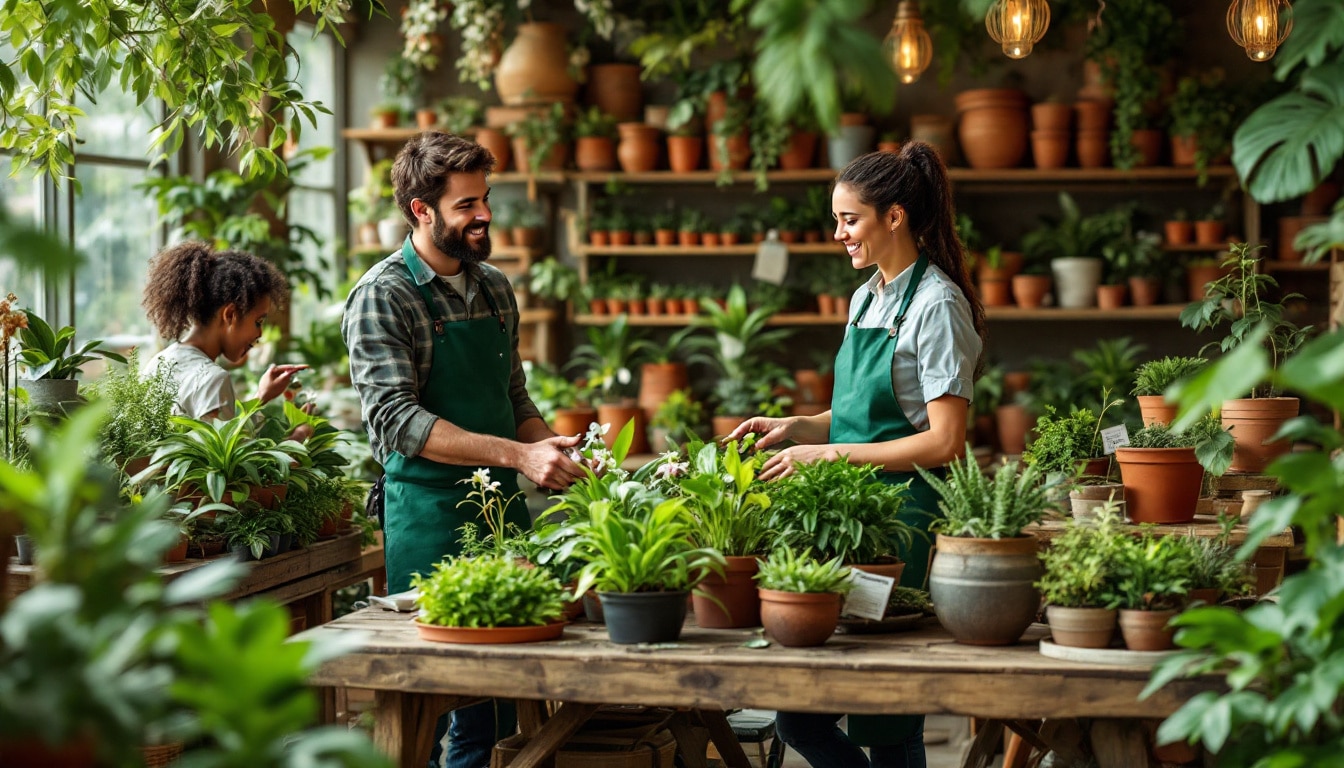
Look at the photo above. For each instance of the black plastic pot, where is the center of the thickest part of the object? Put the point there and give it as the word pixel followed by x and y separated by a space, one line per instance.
pixel 644 617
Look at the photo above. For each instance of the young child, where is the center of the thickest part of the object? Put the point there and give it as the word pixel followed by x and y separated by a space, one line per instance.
pixel 219 300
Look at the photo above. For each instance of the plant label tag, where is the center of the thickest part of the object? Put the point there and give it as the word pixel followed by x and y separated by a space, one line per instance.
pixel 869 596
pixel 772 260
pixel 1113 438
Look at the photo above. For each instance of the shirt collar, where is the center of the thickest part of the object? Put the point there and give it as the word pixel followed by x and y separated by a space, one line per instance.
pixel 875 286
pixel 423 275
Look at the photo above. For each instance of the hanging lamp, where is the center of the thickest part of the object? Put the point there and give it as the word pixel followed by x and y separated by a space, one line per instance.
pixel 1260 26
pixel 908 45
pixel 1018 25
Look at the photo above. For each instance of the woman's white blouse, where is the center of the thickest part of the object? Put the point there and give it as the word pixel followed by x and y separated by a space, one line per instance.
pixel 937 348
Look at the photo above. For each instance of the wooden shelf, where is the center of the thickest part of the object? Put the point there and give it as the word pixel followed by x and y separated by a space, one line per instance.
pixel 676 321
pixel 701 250
pixel 536 315
pixel 966 175
pixel 1157 312
pixel 1194 248
pixel 1295 266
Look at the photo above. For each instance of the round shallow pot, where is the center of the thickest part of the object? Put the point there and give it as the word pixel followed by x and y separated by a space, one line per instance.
pixel 735 590
pixel 644 617
pixel 799 619
pixel 489 635
pixel 1147 630
pixel 1081 627
pixel 1254 421
pixel 1161 484
pixel 983 589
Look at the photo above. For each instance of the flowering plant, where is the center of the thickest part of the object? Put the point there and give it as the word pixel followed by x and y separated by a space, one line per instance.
pixel 486 497
pixel 12 320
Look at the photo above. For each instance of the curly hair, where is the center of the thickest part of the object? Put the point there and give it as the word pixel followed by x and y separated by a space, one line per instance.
pixel 190 282
pixel 424 164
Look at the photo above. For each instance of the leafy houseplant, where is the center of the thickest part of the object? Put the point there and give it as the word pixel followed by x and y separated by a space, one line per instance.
pixel 800 596
pixel 141 409
pixel 52 355
pixel 609 356
pixel 1154 378
pixel 978 506
pixel 542 133
pixel 1078 584
pixel 459 114
pixel 1152 577
pixel 1205 110
pixel 680 415
pixel 788 571
pixel 594 123
pixel 840 510
pixel 1063 442
pixel 490 591
pixel 1163 469
pixel 552 279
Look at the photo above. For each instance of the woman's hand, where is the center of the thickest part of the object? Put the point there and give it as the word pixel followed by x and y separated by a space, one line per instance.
pixel 276 380
pixel 782 464
pixel 770 431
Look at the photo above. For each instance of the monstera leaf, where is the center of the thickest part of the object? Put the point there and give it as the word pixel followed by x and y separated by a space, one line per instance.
pixel 1287 146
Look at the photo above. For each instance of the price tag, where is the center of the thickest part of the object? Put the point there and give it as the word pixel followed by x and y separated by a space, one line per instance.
pixel 1114 438
pixel 772 260
pixel 869 596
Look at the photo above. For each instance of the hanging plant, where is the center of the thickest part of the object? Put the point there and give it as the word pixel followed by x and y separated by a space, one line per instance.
pixel 419 26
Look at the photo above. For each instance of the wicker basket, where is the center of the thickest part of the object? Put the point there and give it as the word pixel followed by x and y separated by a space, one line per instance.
pixel 590 750
pixel 161 755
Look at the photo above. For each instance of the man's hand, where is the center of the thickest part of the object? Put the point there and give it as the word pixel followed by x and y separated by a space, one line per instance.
pixel 548 464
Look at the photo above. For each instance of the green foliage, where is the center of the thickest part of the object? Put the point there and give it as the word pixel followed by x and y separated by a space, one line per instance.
pixel 1212 443
pixel 988 391
pixel 1073 234
pixel 789 571
pixel 251 528
pixel 1063 441
pixel 907 600
pixel 839 509
pixel 609 358
pixel 595 123
pixel 459 114
pixel 49 354
pixel 488 592
pixel 1152 572
pixel 542 131
pixel 680 414
pixel 740 335
pixel 323 347
pixel 1155 376
pixel 1133 40
pixel 141 408
pixel 550 391
pixel 553 279
pixel 731 516
pixel 1080 563
pixel 1247 288
pixel 173 50
pixel 976 506
pixel 1134 254
pixel 676 30
pixel 1208 108
pixel 310 507
pixel 1214 564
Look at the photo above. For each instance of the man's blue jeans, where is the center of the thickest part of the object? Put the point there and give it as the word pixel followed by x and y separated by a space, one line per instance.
pixel 820 741
pixel 472 734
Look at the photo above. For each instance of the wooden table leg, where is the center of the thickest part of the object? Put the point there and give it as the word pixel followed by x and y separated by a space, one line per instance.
pixel 532 715
pixel 725 741
pixel 550 737
pixel 692 741
pixel 403 726
pixel 1118 743
pixel 986 743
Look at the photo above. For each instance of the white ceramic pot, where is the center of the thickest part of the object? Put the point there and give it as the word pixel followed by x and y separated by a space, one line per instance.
pixel 1076 281
pixel 391 232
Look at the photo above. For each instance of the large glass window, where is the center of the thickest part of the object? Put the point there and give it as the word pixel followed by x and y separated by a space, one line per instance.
pixel 117 230
pixel 21 199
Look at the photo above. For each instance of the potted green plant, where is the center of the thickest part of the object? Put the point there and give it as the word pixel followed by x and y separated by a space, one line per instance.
pixel 731 518
pixel 677 421
pixel 985 561
pixel 640 557
pixel 1215 571
pixel 800 597
pixel 663 370
pixel 1073 243
pixel 1211 228
pixel 488 599
pixel 459 114
pixel 608 361
pixel 1068 446
pixel 1178 230
pixel 1154 378
pixel 141 412
pixel 316 509
pixel 595 140
pixel 1152 575
pixel 1241 299
pixel 1205 110
pixel 540 139
pixel 252 533
pixel 737 348
pixel 553 280
pixel 1078 582
pixel 1163 469
pixel 526 223
pixel 53 361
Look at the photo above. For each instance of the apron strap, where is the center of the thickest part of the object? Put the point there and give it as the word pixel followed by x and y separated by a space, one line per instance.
pixel 921 266
pixel 409 256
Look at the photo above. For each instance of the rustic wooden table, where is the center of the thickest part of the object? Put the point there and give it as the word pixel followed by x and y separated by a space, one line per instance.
pixel 920 671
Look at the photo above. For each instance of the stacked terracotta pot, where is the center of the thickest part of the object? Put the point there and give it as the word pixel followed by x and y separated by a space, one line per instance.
pixel 1051 132
pixel 1094 133
pixel 993 127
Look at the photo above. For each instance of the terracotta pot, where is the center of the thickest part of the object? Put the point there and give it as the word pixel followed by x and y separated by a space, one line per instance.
pixel 1289 227
pixel 690 306
pixel 1210 232
pixel 1183 150
pixel 799 619
pixel 498 143
pixel 621 237
pixel 1161 484
pixel 489 635
pixel 812 387
pixel 599 238
pixel 684 152
pixel 709 239
pixel 790 236
pixel 594 153
pixel 426 118
pixel 1179 232
pixel 534 69
pixel 597 306
pixel 1253 421
pixel 268 496
pixel 1111 296
pixel 996 292
pixel 526 237
pixel 891 570
pixel 890 147
pixel 730 238
pixel 936 131
pixel 665 237
pixel 1154 409
pixel 1016 381
pixel 638 150
pixel 657 381
pixel 573 421
pixel 1198 275
pixel 1147 630
pixel 736 590
pixel 635 307
pixel 1051 116
pixel 522 156
pixel 1050 149
pixel 1145 291
pixel 798 154
pixel 1149 143
pixel 617 415
pixel 502 237
pixel 1030 290
pixel 993 127
pixel 615 89
pixel 825 304
pixel 716 107
pixel 1014 422
pixel 654 306
pixel 615 306
pixel 687 239
pixel 1094 148
pixel 1093 115
pixel 983 589
pixel 1095 86
pixel 1081 627
pixel 178 553
pixel 724 425
pixel 1206 595
pixel 842 306
pixel 730 152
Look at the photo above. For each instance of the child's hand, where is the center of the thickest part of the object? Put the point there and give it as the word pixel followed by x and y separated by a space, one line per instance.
pixel 276 380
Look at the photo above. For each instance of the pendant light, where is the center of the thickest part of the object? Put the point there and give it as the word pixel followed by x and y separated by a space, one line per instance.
pixel 1018 25
pixel 1260 26
pixel 908 45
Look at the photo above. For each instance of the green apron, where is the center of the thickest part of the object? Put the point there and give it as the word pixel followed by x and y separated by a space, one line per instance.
pixel 468 386
pixel 864 409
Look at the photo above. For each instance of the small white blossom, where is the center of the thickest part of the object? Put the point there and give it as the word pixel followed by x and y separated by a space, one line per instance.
pixel 481 478
pixel 623 375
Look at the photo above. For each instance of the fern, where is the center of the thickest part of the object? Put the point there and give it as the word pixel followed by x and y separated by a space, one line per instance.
pixel 975 506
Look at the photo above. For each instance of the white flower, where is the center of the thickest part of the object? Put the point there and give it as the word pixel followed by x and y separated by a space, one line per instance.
pixel 670 455
pixel 481 478
pixel 673 469
pixel 727 478
pixel 595 432
pixel 623 375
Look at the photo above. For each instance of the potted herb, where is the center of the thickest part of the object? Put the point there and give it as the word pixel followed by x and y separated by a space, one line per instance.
pixel 141 412
pixel 53 361
pixel 1205 111
pixel 676 422
pixel 1078 583
pixel 1072 244
pixel 595 140
pixel 1068 445
pixel 540 139
pixel 732 519
pixel 1215 572
pixel 800 597
pixel 488 599
pixel 1154 378
pixel 253 532
pixel 984 562
pixel 1241 299
pixel 1151 579
pixel 1163 469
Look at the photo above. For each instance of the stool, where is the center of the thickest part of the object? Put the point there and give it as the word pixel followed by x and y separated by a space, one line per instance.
pixel 755 729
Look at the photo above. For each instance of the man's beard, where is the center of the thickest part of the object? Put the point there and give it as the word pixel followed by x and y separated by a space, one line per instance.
pixel 454 244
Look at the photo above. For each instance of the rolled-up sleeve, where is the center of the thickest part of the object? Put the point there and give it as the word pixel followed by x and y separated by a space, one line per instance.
pixel 379 335
pixel 946 349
